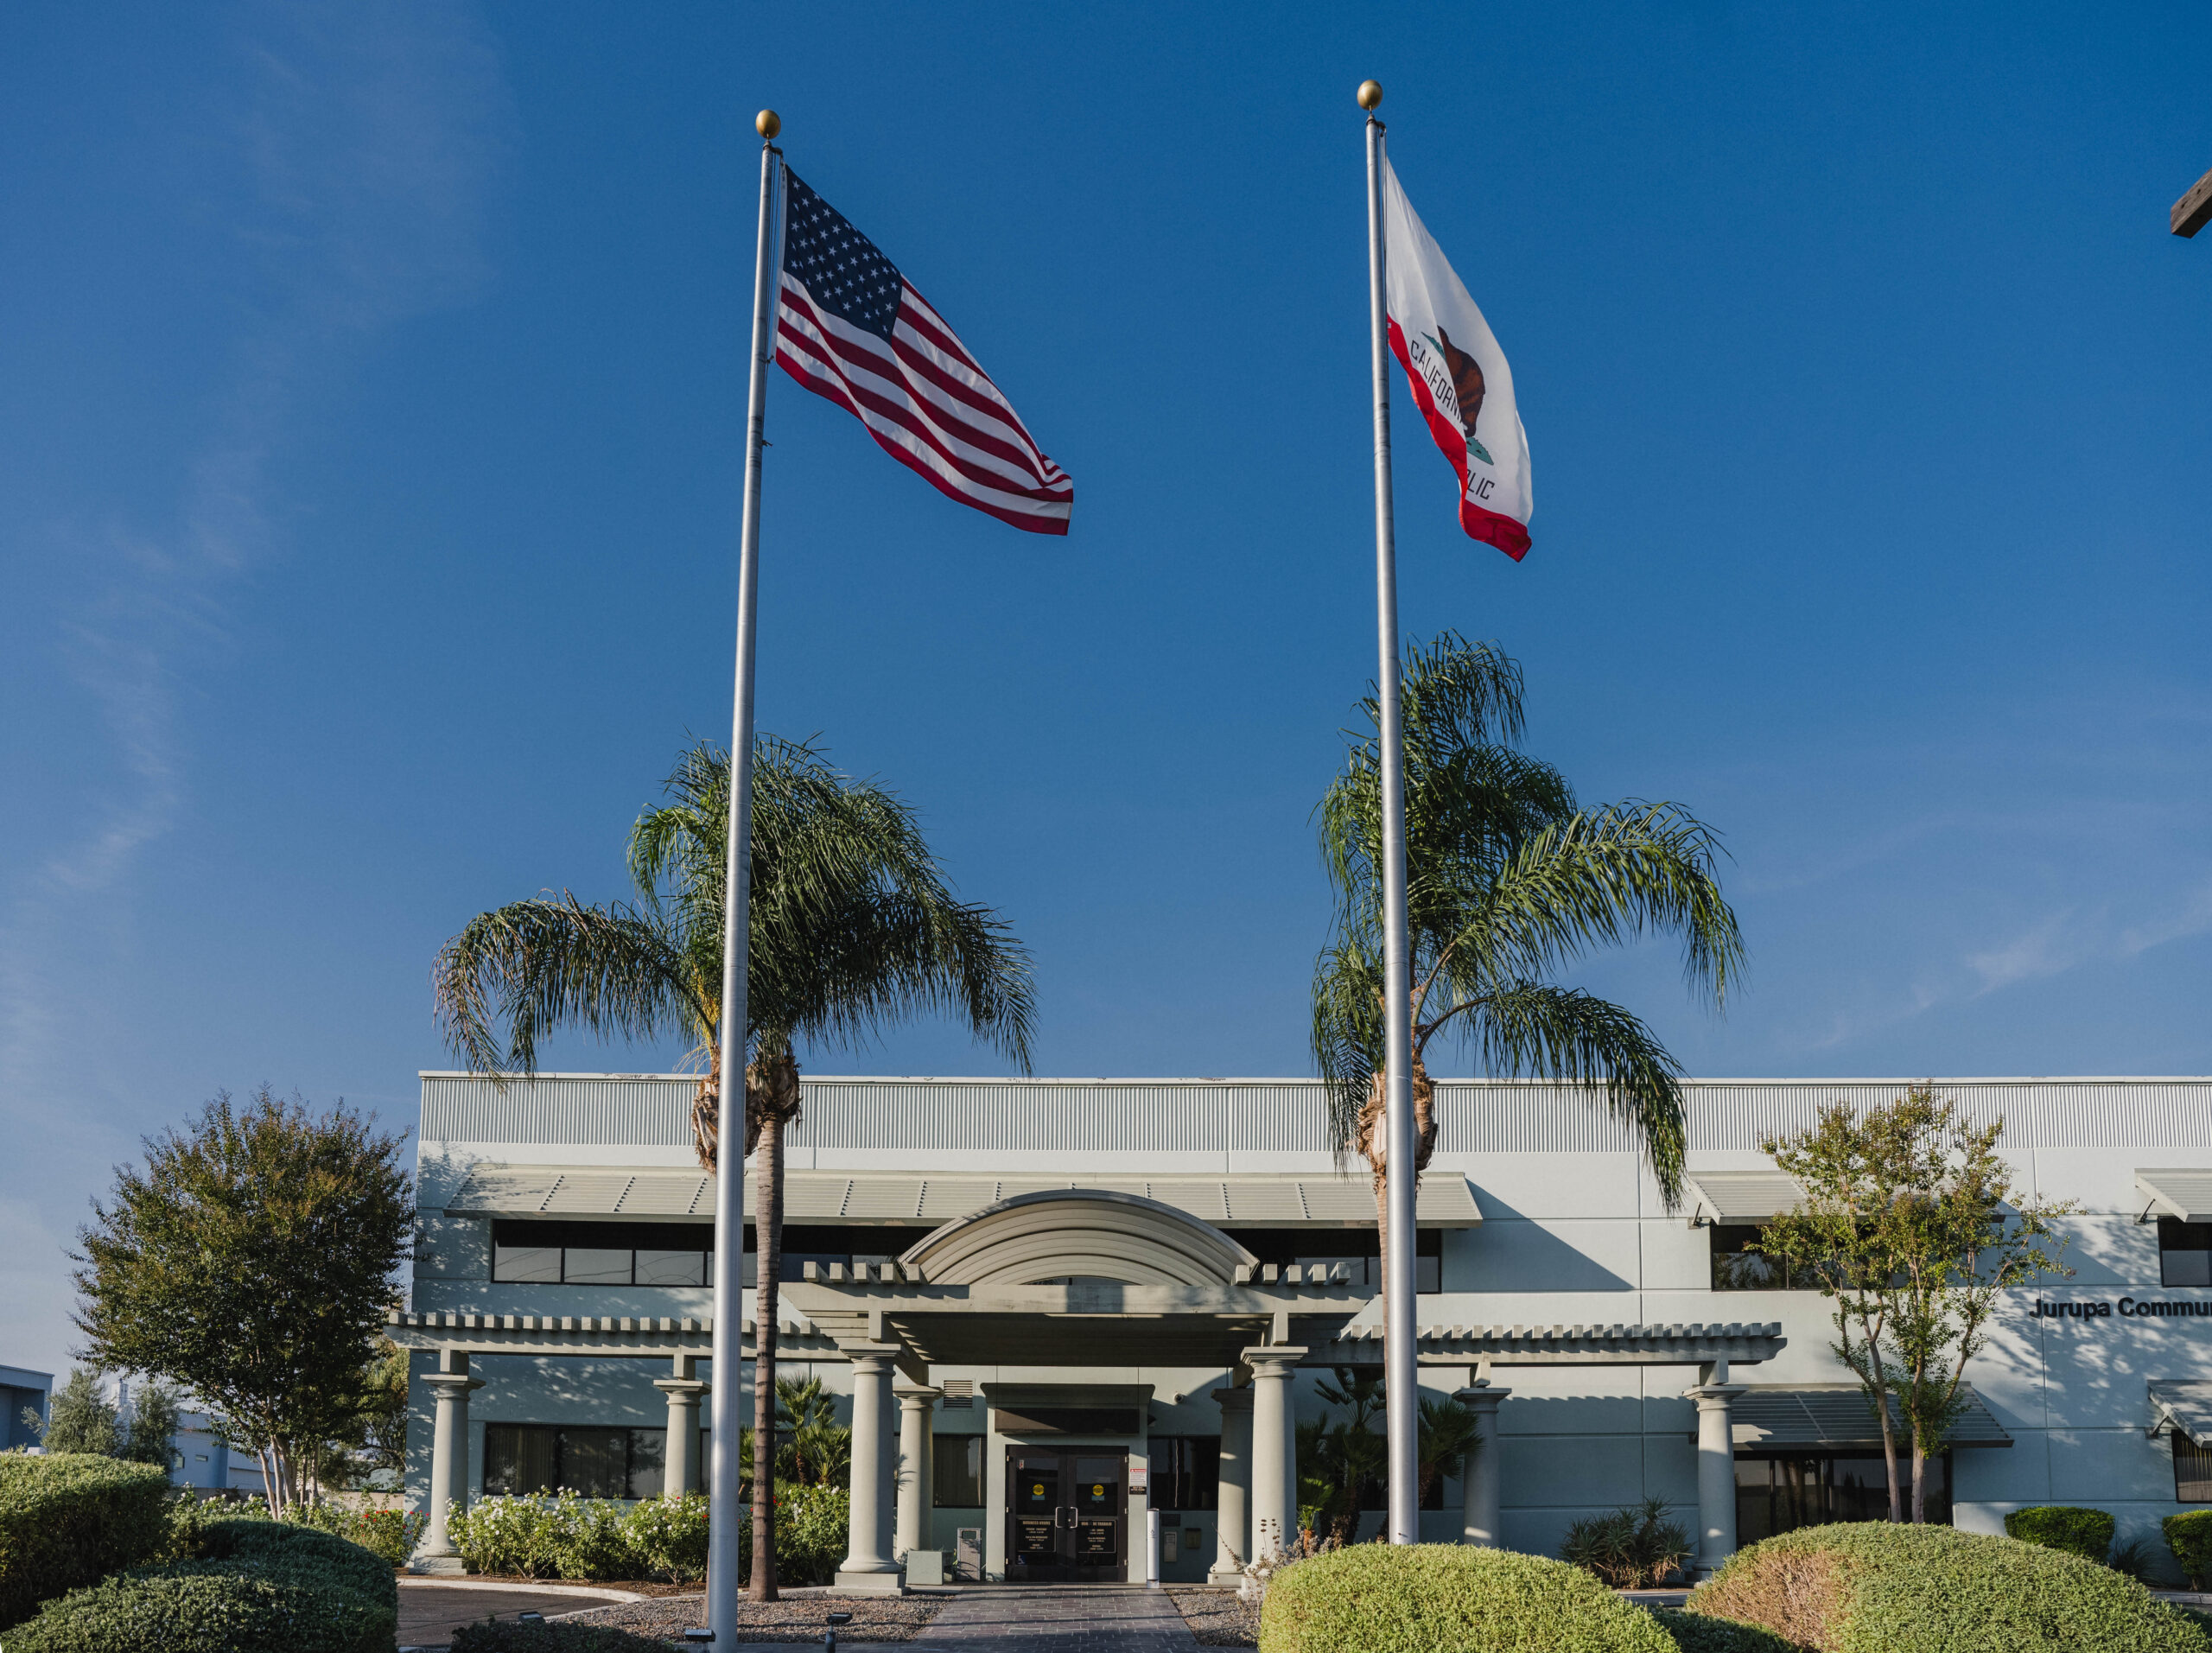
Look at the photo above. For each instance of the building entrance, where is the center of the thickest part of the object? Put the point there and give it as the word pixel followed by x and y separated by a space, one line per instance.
pixel 1067 1515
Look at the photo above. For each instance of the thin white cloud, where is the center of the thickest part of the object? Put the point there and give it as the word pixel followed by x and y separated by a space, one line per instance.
pixel 358 164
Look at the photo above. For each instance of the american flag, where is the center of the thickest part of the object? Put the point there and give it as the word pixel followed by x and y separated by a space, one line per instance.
pixel 849 326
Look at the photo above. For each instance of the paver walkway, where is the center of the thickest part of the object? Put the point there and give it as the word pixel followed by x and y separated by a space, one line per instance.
pixel 430 1613
pixel 1059 1618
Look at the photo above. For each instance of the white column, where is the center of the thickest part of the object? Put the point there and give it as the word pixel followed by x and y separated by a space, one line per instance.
pixel 681 1460
pixel 1716 1473
pixel 917 1411
pixel 1232 1527
pixel 1478 1522
pixel 450 1384
pixel 867 1564
pixel 1274 1449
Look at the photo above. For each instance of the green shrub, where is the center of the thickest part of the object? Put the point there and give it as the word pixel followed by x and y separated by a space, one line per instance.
pixel 1697 1633
pixel 2086 1533
pixel 392 1533
pixel 260 1587
pixel 68 1518
pixel 504 1535
pixel 813 1525
pixel 1449 1598
pixel 1630 1550
pixel 1869 1586
pixel 2190 1536
pixel 668 1537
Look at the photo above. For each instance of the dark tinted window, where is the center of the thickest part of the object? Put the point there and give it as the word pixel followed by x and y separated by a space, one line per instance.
pixel 1186 1471
pixel 594 1463
pixel 1782 1492
pixel 2184 1253
pixel 957 1467
pixel 1737 1266
pixel 2192 1471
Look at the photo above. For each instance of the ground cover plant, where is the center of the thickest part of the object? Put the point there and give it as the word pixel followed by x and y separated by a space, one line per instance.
pixel 1632 1549
pixel 1449 1598
pixel 2086 1533
pixel 1879 1588
pixel 1698 1633
pixel 257 1586
pixel 68 1519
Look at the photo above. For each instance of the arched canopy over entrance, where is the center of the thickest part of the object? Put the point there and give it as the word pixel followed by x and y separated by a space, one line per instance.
pixel 1088 1233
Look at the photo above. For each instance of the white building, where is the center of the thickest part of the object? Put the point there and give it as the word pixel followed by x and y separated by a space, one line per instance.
pixel 1024 1286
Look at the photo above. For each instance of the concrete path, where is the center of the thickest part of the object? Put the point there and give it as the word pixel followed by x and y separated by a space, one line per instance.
pixel 1058 1619
pixel 430 1613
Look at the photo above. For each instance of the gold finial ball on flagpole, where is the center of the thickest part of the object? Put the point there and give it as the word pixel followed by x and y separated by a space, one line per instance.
pixel 1370 93
pixel 767 124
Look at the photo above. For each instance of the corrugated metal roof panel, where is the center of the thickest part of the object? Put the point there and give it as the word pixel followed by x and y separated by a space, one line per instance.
pixel 1217 1117
pixel 2185 1407
pixel 1831 1419
pixel 2186 1194
pixel 889 1197
pixel 1741 1196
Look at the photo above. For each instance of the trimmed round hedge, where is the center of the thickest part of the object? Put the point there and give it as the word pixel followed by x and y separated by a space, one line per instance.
pixel 68 1518
pixel 1449 1598
pixel 2086 1533
pixel 260 1587
pixel 1869 1586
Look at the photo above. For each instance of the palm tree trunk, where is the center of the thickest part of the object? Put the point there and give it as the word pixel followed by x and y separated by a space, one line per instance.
pixel 1375 1145
pixel 773 1084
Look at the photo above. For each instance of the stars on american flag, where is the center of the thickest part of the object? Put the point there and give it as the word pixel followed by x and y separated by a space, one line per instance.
pixel 844 271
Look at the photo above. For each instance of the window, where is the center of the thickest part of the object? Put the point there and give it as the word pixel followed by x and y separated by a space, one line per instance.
pixel 2192 1470
pixel 2184 1253
pixel 1357 1249
pixel 1780 1493
pixel 594 1463
pixel 602 1254
pixel 1186 1471
pixel 1737 1266
pixel 957 1467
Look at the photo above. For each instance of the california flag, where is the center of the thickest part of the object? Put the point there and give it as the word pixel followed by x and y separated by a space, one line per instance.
pixel 1459 377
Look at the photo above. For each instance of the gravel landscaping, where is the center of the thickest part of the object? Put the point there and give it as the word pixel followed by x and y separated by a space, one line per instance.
pixel 1216 1618
pixel 798 1618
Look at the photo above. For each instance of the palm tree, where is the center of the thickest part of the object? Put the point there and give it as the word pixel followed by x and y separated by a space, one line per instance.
pixel 852 926
pixel 1509 882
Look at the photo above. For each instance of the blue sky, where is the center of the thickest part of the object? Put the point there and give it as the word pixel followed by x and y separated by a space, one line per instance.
pixel 370 412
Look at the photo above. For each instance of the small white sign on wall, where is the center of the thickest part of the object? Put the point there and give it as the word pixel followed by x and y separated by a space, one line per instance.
pixel 1139 1473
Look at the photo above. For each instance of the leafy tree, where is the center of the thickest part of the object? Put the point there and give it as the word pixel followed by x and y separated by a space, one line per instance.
pixel 372 1440
pixel 852 926
pixel 1908 1226
pixel 1446 1435
pixel 250 1260
pixel 1509 882
pixel 79 1419
pixel 153 1422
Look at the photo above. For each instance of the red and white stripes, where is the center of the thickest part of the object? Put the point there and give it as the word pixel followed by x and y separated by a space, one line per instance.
pixel 927 403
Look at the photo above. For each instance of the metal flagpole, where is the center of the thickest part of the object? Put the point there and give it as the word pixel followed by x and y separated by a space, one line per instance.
pixel 1400 1373
pixel 724 1561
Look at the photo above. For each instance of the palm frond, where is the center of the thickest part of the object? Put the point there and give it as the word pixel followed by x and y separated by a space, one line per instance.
pixel 531 966
pixel 1535 1031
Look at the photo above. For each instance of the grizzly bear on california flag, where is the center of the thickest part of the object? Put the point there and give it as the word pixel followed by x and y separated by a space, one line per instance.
pixel 1466 382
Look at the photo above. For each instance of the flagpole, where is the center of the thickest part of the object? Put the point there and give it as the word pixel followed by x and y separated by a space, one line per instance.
pixel 725 1560
pixel 1400 1371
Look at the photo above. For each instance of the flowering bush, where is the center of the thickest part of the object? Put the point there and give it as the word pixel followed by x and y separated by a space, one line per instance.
pixel 812 1526
pixel 668 1537
pixel 391 1533
pixel 504 1535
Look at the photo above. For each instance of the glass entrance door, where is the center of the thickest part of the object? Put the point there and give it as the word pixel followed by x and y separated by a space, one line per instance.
pixel 1067 1517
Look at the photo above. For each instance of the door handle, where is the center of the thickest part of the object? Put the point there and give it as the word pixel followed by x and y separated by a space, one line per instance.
pixel 1065 1517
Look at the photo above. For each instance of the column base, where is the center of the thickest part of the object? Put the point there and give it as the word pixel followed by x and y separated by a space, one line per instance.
pixel 438 1566
pixel 892 1583
pixel 1226 1575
